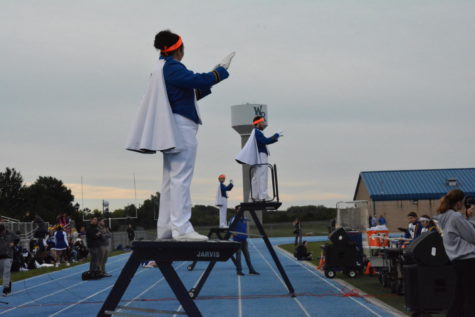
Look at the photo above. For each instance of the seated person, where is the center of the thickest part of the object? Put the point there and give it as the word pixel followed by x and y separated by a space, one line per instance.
pixel 79 250
pixel 301 252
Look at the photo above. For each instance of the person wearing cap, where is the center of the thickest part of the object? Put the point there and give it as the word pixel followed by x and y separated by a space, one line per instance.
pixel 168 121
pixel 255 152
pixel 222 199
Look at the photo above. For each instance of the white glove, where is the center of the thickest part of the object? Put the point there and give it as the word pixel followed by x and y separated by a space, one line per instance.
pixel 281 134
pixel 230 181
pixel 227 60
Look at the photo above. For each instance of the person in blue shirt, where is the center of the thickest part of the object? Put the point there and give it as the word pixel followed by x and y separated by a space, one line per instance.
pixel 240 235
pixel 183 88
pixel 222 199
pixel 382 220
pixel 259 175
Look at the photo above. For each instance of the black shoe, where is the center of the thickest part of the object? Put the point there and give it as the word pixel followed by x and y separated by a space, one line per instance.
pixel 254 273
pixel 240 273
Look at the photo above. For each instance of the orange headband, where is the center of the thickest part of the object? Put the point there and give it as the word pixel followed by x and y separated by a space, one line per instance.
pixel 173 47
pixel 258 120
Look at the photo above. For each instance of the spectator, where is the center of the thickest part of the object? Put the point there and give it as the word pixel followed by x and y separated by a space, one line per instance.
pixel 301 252
pixel 6 257
pixel 60 246
pixel 374 221
pixel 94 238
pixel 382 221
pixel 41 229
pixel 241 236
pixel 414 227
pixel 297 231
pixel 427 224
pixel 80 250
pixel 130 233
pixel 18 263
pixel 459 243
pixel 104 246
pixel 82 235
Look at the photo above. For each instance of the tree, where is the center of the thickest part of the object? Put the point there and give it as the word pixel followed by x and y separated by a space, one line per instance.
pixel 148 212
pixel 49 197
pixel 11 193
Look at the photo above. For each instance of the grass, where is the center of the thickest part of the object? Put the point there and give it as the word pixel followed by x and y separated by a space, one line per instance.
pixel 368 284
pixel 18 276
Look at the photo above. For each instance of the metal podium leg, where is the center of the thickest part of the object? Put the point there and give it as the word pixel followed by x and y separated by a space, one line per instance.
pixel 272 252
pixel 120 286
pixel 179 289
pixel 195 291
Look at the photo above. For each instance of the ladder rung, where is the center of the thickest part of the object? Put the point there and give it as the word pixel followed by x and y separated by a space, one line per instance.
pixel 150 310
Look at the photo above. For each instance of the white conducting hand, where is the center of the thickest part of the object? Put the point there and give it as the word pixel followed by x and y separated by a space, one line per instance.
pixel 227 60
pixel 281 134
pixel 231 181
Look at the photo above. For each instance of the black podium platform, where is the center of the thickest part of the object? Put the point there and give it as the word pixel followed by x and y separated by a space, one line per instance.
pixel 164 253
pixel 219 233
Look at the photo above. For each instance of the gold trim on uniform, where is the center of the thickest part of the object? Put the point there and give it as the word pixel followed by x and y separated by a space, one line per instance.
pixel 216 75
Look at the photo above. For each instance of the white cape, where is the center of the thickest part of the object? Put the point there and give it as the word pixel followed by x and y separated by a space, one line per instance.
pixel 220 200
pixel 249 153
pixel 154 126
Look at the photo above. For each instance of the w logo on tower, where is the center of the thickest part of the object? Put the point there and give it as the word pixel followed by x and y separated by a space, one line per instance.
pixel 258 111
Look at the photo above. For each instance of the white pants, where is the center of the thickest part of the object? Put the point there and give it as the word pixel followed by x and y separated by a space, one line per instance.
pixel 175 197
pixel 223 209
pixel 259 180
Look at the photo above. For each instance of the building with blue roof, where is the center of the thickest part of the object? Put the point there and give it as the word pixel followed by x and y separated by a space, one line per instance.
pixel 394 194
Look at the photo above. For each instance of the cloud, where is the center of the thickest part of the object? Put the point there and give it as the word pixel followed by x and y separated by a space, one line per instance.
pixel 106 192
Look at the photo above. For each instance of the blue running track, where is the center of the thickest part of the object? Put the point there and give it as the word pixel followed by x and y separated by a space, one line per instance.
pixel 63 293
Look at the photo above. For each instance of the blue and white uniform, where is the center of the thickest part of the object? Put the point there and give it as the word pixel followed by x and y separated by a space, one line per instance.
pixel 255 152
pixel 222 202
pixel 60 240
pixel 183 88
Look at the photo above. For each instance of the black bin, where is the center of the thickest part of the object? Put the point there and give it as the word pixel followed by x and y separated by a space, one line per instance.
pixel 429 278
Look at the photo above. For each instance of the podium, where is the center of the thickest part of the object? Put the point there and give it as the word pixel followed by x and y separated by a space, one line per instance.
pixel 164 253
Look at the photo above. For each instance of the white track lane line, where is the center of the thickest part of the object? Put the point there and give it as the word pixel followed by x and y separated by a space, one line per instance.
pixel 329 283
pixel 239 296
pixel 149 288
pixel 280 279
pixel 50 281
pixel 51 294
pixel 90 296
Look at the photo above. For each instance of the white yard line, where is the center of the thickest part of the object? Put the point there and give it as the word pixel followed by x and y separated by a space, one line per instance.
pixel 239 297
pixel 280 279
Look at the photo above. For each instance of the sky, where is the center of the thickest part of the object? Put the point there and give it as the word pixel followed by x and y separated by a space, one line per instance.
pixel 355 86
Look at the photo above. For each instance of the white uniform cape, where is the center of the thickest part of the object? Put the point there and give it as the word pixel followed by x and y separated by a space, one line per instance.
pixel 220 200
pixel 154 128
pixel 249 153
